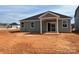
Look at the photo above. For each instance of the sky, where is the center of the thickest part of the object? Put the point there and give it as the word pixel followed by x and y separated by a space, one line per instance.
pixel 14 13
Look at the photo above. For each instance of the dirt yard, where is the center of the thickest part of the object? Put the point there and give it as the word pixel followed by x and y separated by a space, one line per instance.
pixel 22 43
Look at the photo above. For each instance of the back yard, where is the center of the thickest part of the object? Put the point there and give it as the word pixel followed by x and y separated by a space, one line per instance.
pixel 22 42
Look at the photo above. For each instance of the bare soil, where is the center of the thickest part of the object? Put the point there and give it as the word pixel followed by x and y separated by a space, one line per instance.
pixel 15 42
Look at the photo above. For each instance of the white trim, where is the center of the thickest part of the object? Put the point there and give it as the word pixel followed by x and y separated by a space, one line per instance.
pixel 41 26
pixel 62 23
pixel 57 26
pixel 49 18
pixel 49 13
pixel 70 26
pixel 29 20
pixel 52 23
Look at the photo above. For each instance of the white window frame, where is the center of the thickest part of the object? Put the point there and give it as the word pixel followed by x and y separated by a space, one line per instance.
pixel 65 23
pixel 31 26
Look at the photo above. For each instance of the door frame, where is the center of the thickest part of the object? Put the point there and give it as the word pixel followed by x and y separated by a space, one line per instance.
pixel 52 23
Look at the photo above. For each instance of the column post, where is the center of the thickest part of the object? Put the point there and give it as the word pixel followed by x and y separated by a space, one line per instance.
pixel 40 26
pixel 57 26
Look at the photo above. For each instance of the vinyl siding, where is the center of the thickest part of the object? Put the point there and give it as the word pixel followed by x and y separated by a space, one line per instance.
pixel 27 27
pixel 61 29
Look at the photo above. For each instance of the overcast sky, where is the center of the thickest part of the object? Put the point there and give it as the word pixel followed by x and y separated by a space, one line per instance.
pixel 9 13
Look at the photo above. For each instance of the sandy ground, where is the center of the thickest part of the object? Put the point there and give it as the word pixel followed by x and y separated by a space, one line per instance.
pixel 22 43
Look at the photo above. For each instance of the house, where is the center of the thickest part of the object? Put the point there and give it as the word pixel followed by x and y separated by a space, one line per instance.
pixel 14 25
pixel 76 17
pixel 46 22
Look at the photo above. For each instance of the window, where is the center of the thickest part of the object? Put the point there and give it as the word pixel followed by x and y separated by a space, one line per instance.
pixel 32 25
pixel 22 24
pixel 65 24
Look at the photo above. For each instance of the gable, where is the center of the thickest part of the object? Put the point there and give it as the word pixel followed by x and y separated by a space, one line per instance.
pixel 49 15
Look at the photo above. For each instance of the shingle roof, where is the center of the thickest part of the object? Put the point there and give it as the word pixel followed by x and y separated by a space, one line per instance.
pixel 36 17
pixel 13 24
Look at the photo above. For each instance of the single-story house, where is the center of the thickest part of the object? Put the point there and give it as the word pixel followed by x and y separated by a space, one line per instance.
pixel 14 26
pixel 46 22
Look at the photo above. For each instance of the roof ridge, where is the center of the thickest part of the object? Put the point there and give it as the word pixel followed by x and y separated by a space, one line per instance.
pixel 38 15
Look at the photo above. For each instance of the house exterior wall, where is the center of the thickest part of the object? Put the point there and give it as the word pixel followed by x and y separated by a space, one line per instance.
pixel 27 27
pixel 60 25
pixel 24 27
pixel 36 27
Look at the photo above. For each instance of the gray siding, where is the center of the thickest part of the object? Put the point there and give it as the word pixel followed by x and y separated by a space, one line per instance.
pixel 61 29
pixel 25 27
pixel 28 28
pixel 36 28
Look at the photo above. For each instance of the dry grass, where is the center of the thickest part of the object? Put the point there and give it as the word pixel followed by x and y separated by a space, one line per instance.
pixel 21 42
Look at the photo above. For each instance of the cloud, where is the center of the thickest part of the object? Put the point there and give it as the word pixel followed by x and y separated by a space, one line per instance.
pixel 14 13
